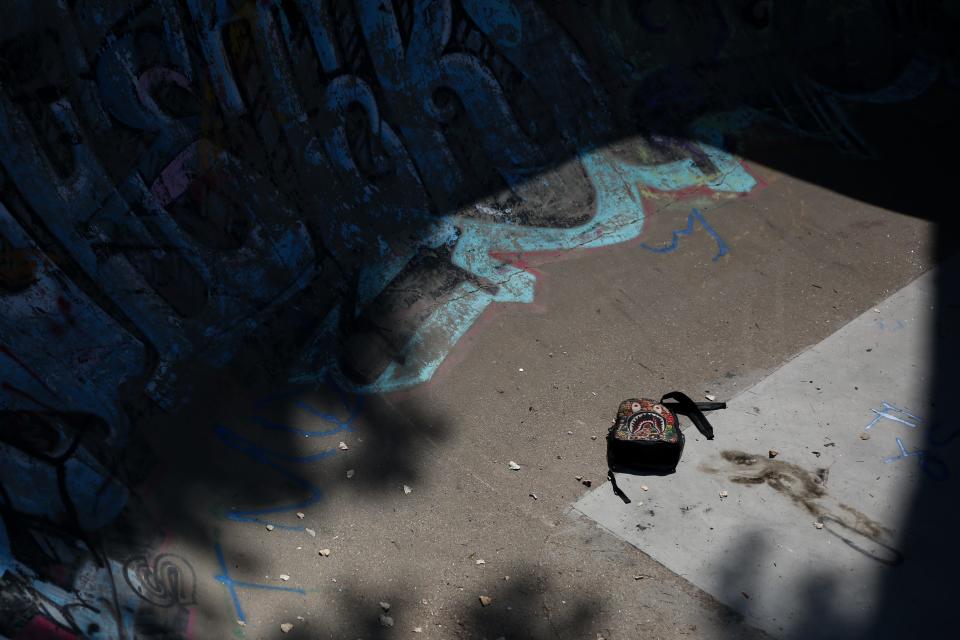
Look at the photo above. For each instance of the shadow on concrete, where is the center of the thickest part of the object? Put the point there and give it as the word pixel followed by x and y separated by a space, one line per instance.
pixel 525 616
pixel 917 596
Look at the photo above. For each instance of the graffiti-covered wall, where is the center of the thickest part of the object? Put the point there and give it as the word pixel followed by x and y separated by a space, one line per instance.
pixel 343 185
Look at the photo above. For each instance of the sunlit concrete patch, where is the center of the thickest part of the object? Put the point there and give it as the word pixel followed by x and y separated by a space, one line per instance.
pixel 807 535
pixel 478 247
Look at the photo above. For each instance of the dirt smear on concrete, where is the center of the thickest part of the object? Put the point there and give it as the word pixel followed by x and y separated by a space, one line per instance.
pixel 807 488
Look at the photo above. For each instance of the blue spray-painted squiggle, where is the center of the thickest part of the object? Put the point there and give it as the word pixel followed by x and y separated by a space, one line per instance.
pixel 930 464
pixel 232 585
pixel 273 460
pixel 341 424
pixel 896 414
pixel 281 463
pixel 695 216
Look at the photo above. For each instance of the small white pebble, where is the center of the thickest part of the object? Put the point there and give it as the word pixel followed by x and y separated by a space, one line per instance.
pixel 724 494
pixel 644 487
pixel 481 561
pixel 311 532
pixel 270 527
pixel 418 629
pixel 710 397
pixel 593 437
pixel 569 433
pixel 301 515
pixel 284 577
pixel 385 606
pixel 520 369
pixel 818 525
pixel 324 552
pixel 406 490
pixel 343 446
pixel 349 473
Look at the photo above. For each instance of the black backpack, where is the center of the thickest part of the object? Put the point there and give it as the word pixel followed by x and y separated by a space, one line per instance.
pixel 645 438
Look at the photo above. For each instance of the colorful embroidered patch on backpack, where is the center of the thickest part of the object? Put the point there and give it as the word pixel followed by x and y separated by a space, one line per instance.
pixel 642 419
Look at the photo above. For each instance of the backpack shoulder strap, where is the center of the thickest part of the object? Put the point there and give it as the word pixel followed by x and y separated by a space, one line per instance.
pixel 683 405
pixel 617 491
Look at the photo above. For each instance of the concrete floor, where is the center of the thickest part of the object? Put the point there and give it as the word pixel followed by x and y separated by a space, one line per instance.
pixel 535 384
